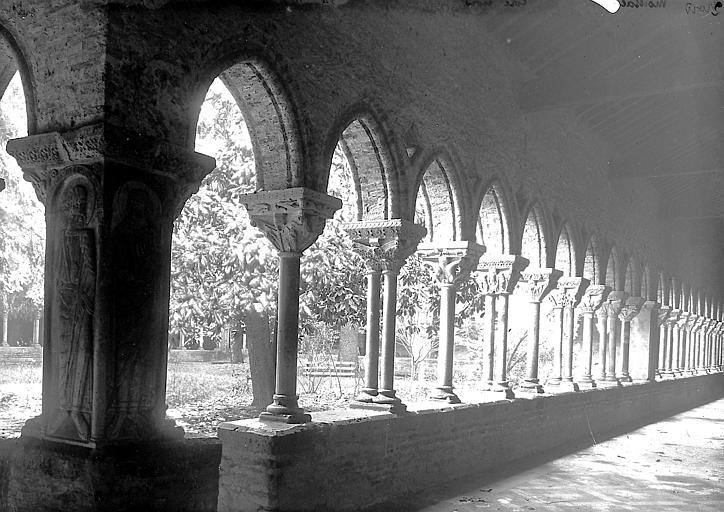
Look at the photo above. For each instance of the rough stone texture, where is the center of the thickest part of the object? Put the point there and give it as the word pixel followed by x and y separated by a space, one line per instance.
pixel 177 477
pixel 351 460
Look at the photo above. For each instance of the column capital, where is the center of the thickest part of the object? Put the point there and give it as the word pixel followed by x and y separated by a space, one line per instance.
pixel 451 262
pixel 572 290
pixel 291 218
pixel 43 156
pixel 593 297
pixel 673 317
pixel 540 282
pixel 664 312
pixel 615 301
pixel 385 244
pixel 500 273
pixel 632 306
pixel 682 319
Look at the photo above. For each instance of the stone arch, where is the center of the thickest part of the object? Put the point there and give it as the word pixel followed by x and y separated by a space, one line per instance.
pixel 675 293
pixel 13 60
pixel 612 268
pixel 662 291
pixel 493 220
pixel 371 166
pixel 591 262
pixel 629 277
pixel 565 252
pixel 270 119
pixel 648 289
pixel 438 204
pixel 533 240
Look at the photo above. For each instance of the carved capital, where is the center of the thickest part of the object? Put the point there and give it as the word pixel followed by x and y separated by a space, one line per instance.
pixel 500 274
pixel 682 320
pixel 593 297
pixel 385 244
pixel 631 308
pixel 616 300
pixel 572 289
pixel 664 312
pixel 539 282
pixel 291 218
pixel 451 263
pixel 38 155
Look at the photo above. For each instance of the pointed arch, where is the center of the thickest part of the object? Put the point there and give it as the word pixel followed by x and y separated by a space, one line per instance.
pixel 612 268
pixel 437 204
pixel 591 264
pixel 493 221
pixel 662 292
pixel 533 242
pixel 629 277
pixel 13 60
pixel 565 254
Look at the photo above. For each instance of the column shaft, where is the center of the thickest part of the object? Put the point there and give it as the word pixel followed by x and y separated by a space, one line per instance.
pixel 446 346
pixel 372 341
pixel 557 346
pixel 490 320
pixel 501 356
pixel 663 333
pixel 602 344
pixel 625 345
pixel 531 381
pixel 568 334
pixel 587 347
pixel 386 393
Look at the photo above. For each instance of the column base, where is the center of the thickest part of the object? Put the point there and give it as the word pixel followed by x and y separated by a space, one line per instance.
pixel 563 387
pixel 366 395
pixel 498 391
pixel 587 384
pixel 285 410
pixel 531 386
pixel 445 394
pixel 609 382
pixel 625 378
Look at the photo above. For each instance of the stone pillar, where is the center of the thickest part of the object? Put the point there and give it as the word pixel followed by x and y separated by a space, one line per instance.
pixel 663 336
pixel 498 276
pixel 451 265
pixel 385 245
pixel 671 341
pixel 571 291
pixel 110 197
pixel 555 298
pixel 680 349
pixel 36 328
pixel 691 328
pixel 602 318
pixel 592 299
pixel 616 301
pixel 539 283
pixel 628 312
pixel 291 219
pixel 644 343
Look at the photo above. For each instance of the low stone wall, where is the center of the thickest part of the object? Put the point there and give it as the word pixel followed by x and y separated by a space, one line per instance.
pixel 347 460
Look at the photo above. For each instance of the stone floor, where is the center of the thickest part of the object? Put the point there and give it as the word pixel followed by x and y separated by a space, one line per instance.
pixel 674 465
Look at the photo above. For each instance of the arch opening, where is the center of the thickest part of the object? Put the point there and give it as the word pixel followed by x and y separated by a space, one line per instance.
pixel 437 207
pixel 492 223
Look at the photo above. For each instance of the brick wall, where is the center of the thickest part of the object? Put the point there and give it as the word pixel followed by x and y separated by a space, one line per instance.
pixel 346 460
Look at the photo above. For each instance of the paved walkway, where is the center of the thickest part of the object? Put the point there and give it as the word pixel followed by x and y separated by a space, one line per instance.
pixel 674 465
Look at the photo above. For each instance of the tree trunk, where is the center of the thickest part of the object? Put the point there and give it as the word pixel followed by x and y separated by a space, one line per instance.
pixel 262 358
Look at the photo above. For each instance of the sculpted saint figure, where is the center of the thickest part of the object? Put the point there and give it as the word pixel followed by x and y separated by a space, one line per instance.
pixel 75 287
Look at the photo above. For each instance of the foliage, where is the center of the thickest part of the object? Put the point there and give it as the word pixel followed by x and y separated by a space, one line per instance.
pixel 22 223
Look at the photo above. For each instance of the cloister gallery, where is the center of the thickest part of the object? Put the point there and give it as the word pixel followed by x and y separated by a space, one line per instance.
pixel 563 157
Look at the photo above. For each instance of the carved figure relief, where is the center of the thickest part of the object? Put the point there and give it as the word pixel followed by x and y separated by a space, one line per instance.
pixel 138 271
pixel 75 266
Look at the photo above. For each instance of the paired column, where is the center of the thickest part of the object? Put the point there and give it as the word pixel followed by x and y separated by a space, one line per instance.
pixel 616 300
pixel 291 219
pixel 591 301
pixel 498 276
pixel 451 265
pixel 663 337
pixel 110 198
pixel 385 246
pixel 538 284
pixel 680 348
pixel 691 330
pixel 628 312
pixel 672 340
pixel 569 292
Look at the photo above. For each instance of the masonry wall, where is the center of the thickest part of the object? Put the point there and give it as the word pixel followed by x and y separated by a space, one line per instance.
pixel 345 461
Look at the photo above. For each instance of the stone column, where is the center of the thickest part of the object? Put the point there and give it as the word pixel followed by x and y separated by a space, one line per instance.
pixel 592 299
pixel 691 328
pixel 680 350
pixel 628 312
pixel 555 298
pixel 538 284
pixel 385 245
pixel 110 198
pixel 671 341
pixel 291 219
pixel 663 337
pixel 36 328
pixel 602 319
pixel 498 276
pixel 616 301
pixel 451 265
pixel 572 290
